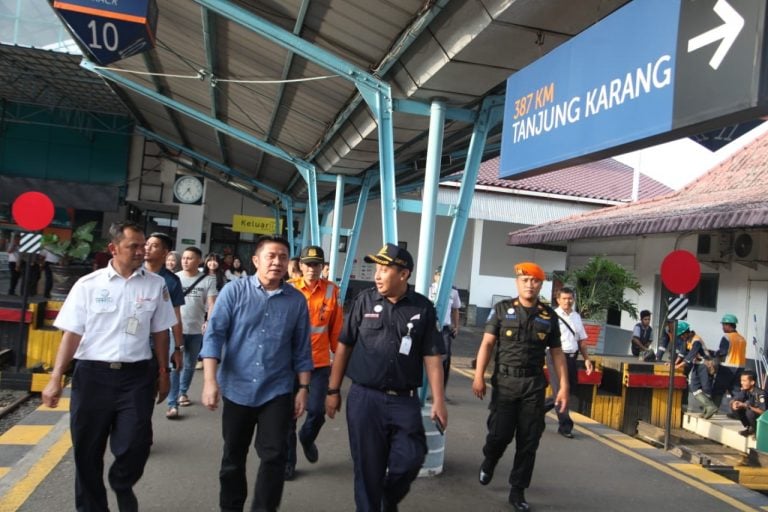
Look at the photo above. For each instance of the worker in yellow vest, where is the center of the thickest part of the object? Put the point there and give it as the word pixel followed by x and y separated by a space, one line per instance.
pixel 732 355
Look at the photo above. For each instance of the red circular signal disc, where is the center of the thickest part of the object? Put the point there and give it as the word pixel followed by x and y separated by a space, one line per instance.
pixel 32 210
pixel 680 271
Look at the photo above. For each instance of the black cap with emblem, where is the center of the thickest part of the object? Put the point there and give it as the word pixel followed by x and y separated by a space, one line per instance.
pixel 312 254
pixel 390 255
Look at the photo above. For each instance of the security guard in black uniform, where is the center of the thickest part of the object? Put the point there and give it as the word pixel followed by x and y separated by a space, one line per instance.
pixel 525 328
pixel 388 334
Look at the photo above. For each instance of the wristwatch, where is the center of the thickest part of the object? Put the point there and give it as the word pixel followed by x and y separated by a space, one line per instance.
pixel 304 386
pixel 333 391
pixel 179 348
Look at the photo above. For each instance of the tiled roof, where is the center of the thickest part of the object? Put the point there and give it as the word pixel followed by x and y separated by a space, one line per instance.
pixel 733 194
pixel 607 180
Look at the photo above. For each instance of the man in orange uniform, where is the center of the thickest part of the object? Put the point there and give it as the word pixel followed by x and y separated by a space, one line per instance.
pixel 325 318
pixel 732 355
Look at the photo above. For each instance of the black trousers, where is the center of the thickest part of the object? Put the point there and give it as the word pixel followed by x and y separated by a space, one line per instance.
pixel 238 424
pixel 517 412
pixel 115 405
pixel 48 278
pixel 12 268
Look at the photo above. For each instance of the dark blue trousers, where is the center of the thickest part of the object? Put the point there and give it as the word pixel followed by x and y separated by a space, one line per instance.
pixel 318 390
pixel 238 423
pixel 388 445
pixel 115 405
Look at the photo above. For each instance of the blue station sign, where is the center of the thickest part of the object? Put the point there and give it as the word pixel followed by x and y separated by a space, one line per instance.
pixel 110 30
pixel 653 71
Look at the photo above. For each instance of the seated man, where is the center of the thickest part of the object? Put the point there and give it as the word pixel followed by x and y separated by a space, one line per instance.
pixel 642 337
pixel 749 402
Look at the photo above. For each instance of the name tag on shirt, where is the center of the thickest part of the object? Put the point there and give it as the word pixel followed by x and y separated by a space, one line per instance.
pixel 405 345
pixel 132 326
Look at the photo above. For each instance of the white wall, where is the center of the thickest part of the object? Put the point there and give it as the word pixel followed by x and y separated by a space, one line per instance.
pixel 644 255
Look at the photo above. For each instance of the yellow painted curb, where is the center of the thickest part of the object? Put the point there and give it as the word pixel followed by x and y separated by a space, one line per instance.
pixel 19 493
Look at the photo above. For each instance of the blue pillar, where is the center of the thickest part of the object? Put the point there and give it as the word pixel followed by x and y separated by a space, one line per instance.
pixel 289 221
pixel 354 236
pixel 338 208
pixel 305 230
pixel 380 103
pixel 489 116
pixel 309 174
pixel 276 212
pixel 429 197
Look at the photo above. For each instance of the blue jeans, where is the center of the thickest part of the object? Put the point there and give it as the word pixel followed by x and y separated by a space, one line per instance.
pixel 180 383
pixel 318 390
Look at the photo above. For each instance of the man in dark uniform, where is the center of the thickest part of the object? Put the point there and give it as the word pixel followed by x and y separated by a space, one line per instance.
pixel 389 334
pixel 749 402
pixel 524 328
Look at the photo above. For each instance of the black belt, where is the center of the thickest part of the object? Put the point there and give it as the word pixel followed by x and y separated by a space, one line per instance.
pixel 399 392
pixel 394 392
pixel 516 371
pixel 106 365
pixel 572 355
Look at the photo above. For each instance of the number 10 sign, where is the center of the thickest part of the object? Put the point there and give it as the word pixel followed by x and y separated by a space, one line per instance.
pixel 110 30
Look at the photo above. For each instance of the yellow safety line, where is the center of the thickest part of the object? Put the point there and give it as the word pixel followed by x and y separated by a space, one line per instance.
pixel 641 458
pixel 19 493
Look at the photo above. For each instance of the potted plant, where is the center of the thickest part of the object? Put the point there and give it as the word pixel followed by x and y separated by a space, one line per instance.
pixel 600 286
pixel 73 254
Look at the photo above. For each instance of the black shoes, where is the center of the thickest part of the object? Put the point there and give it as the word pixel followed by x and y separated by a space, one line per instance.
pixel 517 500
pixel 126 501
pixel 486 472
pixel 565 433
pixel 746 432
pixel 310 452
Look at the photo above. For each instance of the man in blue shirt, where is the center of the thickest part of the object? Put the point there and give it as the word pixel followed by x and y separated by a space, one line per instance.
pixel 259 332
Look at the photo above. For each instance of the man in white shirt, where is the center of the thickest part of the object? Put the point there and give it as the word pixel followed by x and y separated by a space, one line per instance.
pixel 13 263
pixel 107 319
pixel 49 259
pixel 199 296
pixel 572 334
pixel 450 324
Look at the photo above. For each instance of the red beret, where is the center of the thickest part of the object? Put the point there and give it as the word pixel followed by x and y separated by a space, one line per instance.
pixel 530 269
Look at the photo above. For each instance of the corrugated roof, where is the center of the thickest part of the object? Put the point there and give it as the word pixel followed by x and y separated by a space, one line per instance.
pixel 423 49
pixel 604 180
pixel 734 194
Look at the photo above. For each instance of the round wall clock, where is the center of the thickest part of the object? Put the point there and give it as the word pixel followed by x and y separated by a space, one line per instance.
pixel 188 189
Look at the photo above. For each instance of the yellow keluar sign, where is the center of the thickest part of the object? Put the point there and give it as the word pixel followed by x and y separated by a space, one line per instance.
pixel 260 225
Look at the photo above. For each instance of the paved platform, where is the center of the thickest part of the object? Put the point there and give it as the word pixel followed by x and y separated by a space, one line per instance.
pixel 600 469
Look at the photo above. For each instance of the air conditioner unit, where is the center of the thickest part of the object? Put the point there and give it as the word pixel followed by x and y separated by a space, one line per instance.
pixel 750 246
pixel 713 247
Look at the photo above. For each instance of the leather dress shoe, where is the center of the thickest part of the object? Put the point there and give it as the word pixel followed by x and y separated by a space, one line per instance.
pixel 486 472
pixel 517 500
pixel 566 433
pixel 310 452
pixel 126 501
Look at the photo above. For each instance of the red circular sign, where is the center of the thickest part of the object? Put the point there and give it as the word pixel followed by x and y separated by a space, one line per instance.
pixel 32 210
pixel 680 271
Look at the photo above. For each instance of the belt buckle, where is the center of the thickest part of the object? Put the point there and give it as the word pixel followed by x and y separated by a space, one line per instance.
pixel 115 366
pixel 390 392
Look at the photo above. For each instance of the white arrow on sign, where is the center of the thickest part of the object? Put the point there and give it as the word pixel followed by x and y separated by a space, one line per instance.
pixel 727 32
